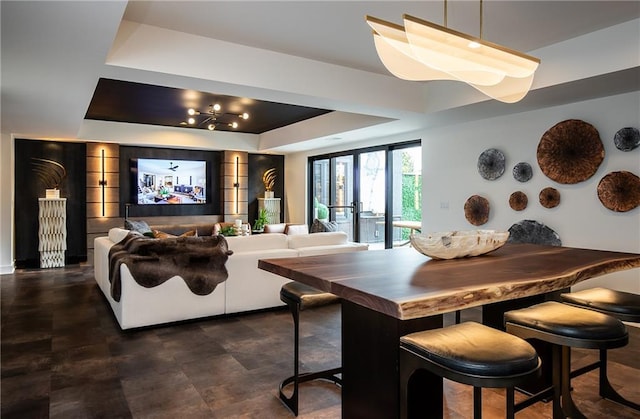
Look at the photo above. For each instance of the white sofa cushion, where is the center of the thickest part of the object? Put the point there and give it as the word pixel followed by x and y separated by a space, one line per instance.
pixel 257 242
pixel 317 239
pixel 117 234
pixel 294 229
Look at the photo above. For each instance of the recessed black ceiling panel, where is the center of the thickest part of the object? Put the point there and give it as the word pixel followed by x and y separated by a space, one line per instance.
pixel 122 101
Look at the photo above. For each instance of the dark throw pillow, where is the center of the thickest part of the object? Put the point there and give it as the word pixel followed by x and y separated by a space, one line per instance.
pixel 140 226
pixel 319 226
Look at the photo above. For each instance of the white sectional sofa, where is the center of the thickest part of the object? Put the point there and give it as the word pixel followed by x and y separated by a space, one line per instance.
pixel 246 288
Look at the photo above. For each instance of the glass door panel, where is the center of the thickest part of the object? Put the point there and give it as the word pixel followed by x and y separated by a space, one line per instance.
pixel 333 192
pixel 407 193
pixel 321 189
pixel 341 208
pixel 372 187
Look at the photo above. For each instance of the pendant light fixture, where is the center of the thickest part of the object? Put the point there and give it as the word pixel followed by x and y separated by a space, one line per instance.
pixel 421 51
pixel 211 117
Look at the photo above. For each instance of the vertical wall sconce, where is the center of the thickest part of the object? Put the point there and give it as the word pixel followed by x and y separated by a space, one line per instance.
pixel 102 182
pixel 236 185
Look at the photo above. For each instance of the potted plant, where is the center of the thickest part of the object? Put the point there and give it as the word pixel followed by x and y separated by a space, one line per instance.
pixel 323 212
pixel 261 221
pixel 228 231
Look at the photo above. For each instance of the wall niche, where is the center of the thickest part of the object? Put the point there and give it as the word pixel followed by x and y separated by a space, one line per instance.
pixel 258 164
pixel 30 157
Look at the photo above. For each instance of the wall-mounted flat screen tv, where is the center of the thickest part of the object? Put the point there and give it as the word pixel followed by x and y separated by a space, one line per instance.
pixel 163 182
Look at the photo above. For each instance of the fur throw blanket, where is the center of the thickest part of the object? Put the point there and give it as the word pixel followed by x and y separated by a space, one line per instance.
pixel 199 261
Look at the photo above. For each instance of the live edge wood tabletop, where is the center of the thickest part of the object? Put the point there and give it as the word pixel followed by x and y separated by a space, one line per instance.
pixel 406 284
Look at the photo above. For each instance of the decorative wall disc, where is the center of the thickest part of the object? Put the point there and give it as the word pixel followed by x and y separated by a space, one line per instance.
pixel 491 164
pixel 529 231
pixel 619 191
pixel 549 197
pixel 476 210
pixel 626 139
pixel 522 172
pixel 518 201
pixel 570 152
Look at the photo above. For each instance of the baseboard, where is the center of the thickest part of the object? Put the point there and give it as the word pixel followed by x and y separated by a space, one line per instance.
pixel 7 269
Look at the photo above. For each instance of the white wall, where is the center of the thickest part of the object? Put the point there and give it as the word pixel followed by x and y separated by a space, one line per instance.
pixel 6 204
pixel 450 176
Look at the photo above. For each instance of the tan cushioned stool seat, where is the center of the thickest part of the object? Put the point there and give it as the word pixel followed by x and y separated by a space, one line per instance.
pixel 563 324
pixel 623 305
pixel 475 349
pixel 306 296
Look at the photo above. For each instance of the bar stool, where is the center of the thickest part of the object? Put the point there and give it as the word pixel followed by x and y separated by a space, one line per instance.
pixel 564 326
pixel 468 353
pixel 624 306
pixel 300 297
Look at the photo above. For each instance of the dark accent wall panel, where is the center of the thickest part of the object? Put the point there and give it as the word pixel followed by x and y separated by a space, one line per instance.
pixel 128 187
pixel 29 187
pixel 258 164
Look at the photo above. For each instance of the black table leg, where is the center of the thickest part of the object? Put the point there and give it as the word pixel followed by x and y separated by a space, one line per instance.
pixel 370 367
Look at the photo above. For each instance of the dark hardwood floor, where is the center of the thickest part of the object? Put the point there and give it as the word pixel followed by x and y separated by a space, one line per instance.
pixel 63 356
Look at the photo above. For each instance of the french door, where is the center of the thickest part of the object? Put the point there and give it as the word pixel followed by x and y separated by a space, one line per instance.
pixel 370 193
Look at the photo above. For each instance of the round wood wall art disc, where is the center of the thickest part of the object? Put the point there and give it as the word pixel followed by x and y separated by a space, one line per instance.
pixel 476 210
pixel 491 164
pixel 522 172
pixel 518 201
pixel 619 191
pixel 626 139
pixel 570 152
pixel 529 231
pixel 549 197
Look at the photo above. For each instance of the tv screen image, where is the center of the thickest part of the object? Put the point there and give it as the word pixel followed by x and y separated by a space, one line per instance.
pixel 162 182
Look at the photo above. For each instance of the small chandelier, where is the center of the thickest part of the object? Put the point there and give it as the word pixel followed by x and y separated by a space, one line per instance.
pixel 212 117
pixel 421 51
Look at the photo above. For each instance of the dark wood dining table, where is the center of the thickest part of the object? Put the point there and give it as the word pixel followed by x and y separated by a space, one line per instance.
pixel 386 294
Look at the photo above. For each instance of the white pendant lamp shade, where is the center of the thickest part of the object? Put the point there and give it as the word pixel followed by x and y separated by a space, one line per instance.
pixel 396 55
pixel 422 51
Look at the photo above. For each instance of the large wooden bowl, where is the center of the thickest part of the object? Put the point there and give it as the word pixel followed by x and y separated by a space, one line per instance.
pixel 458 244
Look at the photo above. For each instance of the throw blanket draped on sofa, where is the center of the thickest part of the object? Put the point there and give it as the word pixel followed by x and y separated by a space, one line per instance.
pixel 199 261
